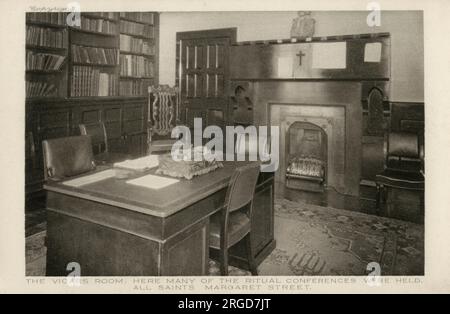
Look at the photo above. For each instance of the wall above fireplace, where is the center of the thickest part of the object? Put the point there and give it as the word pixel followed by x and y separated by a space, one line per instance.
pixel 353 57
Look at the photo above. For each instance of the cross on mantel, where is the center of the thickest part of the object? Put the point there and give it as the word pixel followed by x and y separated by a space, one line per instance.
pixel 300 55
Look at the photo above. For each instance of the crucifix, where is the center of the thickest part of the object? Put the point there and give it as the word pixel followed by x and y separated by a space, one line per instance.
pixel 300 55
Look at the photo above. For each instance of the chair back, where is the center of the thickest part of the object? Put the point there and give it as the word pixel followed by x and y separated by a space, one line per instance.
pixel 99 137
pixel 241 188
pixel 403 151
pixel 163 109
pixel 68 156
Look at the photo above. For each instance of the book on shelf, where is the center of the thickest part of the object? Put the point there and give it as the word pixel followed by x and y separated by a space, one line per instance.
pixel 43 61
pixel 135 66
pixel 46 37
pixel 98 25
pixel 57 18
pixel 137 29
pixel 88 81
pixel 94 55
pixel 137 45
pixel 40 89
pixel 134 87
pixel 142 17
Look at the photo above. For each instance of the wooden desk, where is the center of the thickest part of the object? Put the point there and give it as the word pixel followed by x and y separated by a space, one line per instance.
pixel 112 228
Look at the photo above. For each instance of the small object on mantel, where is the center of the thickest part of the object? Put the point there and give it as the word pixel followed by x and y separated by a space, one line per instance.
pixel 303 26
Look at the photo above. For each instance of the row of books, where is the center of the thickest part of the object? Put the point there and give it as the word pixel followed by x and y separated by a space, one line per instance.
pixel 98 25
pixel 136 29
pixel 58 18
pixel 88 81
pixel 46 37
pixel 132 44
pixel 134 87
pixel 43 61
pixel 143 17
pixel 40 89
pixel 135 66
pixel 94 55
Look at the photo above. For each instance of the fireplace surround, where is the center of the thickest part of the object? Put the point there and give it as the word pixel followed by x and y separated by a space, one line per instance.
pixel 332 106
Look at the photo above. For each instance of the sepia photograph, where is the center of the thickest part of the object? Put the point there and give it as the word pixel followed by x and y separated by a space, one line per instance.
pixel 104 192
pixel 172 142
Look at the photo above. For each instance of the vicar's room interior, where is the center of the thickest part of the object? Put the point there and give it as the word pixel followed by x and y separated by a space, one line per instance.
pixel 119 184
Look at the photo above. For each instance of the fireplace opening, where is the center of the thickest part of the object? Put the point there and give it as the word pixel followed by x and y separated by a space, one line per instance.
pixel 306 157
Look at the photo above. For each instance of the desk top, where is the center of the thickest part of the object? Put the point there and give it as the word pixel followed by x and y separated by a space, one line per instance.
pixel 162 202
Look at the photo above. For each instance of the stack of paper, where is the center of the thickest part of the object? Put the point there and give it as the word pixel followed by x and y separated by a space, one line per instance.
pixel 88 179
pixel 139 164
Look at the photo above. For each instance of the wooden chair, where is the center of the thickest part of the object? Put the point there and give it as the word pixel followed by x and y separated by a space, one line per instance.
pixel 99 138
pixel 404 165
pixel 163 115
pixel 233 223
pixel 67 157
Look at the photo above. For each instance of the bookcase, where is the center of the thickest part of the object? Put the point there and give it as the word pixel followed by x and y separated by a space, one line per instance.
pixel 111 54
pixel 96 72
pixel 138 52
pixel 46 55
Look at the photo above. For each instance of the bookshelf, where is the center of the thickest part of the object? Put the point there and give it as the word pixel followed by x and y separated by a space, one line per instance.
pixel 93 70
pixel 138 52
pixel 46 55
pixel 111 54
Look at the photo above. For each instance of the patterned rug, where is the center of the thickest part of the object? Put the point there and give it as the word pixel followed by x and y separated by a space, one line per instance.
pixel 314 240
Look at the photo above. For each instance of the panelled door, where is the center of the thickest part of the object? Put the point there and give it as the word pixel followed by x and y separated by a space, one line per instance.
pixel 203 75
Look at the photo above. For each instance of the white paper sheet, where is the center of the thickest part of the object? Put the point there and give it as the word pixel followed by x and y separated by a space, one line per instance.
pixel 372 52
pixel 329 55
pixel 153 182
pixel 88 179
pixel 285 67
pixel 139 164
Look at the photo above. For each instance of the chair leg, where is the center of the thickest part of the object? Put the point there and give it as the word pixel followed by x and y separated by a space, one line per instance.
pixel 250 256
pixel 224 262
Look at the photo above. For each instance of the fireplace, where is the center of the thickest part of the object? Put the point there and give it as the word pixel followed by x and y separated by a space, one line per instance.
pixel 325 116
pixel 306 157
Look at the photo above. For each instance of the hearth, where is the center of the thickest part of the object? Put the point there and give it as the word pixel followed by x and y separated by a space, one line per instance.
pixel 306 157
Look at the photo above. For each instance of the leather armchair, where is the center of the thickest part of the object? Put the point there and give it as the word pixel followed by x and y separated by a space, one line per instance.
pixel 404 164
pixel 67 157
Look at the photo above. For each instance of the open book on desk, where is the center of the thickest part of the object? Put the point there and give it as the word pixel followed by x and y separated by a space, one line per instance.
pixel 139 164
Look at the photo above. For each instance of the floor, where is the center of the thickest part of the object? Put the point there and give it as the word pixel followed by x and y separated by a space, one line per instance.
pixel 311 240
pixel 35 216
pixel 329 198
